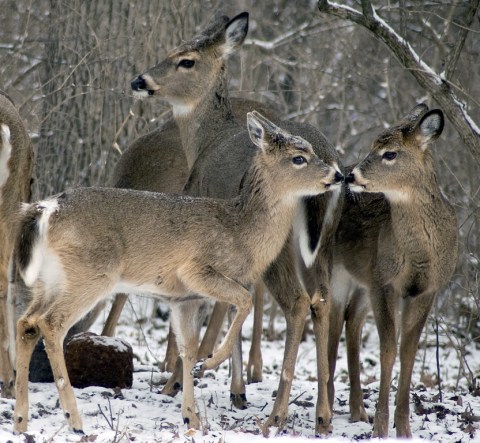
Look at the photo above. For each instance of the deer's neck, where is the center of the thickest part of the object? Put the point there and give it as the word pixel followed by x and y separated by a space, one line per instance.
pixel 421 212
pixel 264 218
pixel 204 121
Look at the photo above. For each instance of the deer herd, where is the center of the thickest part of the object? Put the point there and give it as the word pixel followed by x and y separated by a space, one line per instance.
pixel 222 203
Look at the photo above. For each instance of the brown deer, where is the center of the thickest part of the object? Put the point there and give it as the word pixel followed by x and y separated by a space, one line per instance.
pixel 157 162
pixel 77 248
pixel 192 79
pixel 16 162
pixel 397 239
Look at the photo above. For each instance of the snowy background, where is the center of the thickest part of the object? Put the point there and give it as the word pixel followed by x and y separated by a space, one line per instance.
pixel 142 414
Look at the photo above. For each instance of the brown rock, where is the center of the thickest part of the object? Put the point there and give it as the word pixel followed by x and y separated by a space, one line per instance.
pixel 94 360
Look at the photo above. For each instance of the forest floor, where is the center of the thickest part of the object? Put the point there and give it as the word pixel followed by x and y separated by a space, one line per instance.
pixel 142 414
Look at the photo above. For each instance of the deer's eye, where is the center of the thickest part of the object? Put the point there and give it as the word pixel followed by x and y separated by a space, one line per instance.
pixel 389 155
pixel 299 160
pixel 186 63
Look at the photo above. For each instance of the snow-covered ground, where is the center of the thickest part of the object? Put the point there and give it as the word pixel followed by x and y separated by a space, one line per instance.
pixel 141 414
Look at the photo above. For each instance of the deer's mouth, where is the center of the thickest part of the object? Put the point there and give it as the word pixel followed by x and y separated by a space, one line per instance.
pixel 356 187
pixel 141 88
pixel 142 93
pixel 354 181
pixel 336 180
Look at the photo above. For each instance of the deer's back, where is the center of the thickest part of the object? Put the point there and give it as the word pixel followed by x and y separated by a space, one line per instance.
pixel 153 162
pixel 157 162
pixel 221 166
pixel 124 219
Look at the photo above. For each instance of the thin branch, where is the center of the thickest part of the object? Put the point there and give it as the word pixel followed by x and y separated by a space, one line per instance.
pixel 403 19
pixel 367 10
pixel 432 82
pixel 452 61
pixel 270 45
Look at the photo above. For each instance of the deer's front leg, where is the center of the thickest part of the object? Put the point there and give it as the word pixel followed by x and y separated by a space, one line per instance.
pixel 384 304
pixel 238 396
pixel 358 309
pixel 320 316
pixel 414 315
pixel 214 327
pixel 255 362
pixel 295 316
pixel 114 315
pixel 186 318
pixel 208 282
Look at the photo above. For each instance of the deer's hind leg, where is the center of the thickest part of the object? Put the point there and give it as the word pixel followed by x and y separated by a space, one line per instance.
pixel 51 316
pixel 27 336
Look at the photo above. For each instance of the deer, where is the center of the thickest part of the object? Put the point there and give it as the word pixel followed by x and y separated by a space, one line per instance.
pixel 157 162
pixel 397 241
pixel 79 247
pixel 192 78
pixel 16 163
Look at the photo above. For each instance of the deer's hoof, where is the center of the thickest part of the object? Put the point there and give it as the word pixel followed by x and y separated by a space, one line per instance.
pixel 359 414
pixel 239 401
pixel 199 368
pixel 274 421
pixel 8 390
pixel 171 389
pixel 20 425
pixel 323 427
pixel 192 421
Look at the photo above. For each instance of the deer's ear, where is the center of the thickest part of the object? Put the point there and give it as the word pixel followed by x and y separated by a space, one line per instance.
pixel 429 127
pixel 256 131
pixel 416 112
pixel 235 34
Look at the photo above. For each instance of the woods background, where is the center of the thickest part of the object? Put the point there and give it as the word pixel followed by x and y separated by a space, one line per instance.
pixel 67 66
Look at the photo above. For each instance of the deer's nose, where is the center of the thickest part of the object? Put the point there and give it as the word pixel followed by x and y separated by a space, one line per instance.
pixel 138 84
pixel 350 178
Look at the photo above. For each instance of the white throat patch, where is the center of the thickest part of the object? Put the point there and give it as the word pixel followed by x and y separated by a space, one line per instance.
pixel 5 154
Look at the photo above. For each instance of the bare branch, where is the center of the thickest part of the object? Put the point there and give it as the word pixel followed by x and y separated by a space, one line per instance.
pixel 432 82
pixel 455 54
pixel 367 9
pixel 301 31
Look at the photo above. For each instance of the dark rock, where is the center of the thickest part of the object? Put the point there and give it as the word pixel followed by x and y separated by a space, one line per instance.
pixel 94 360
